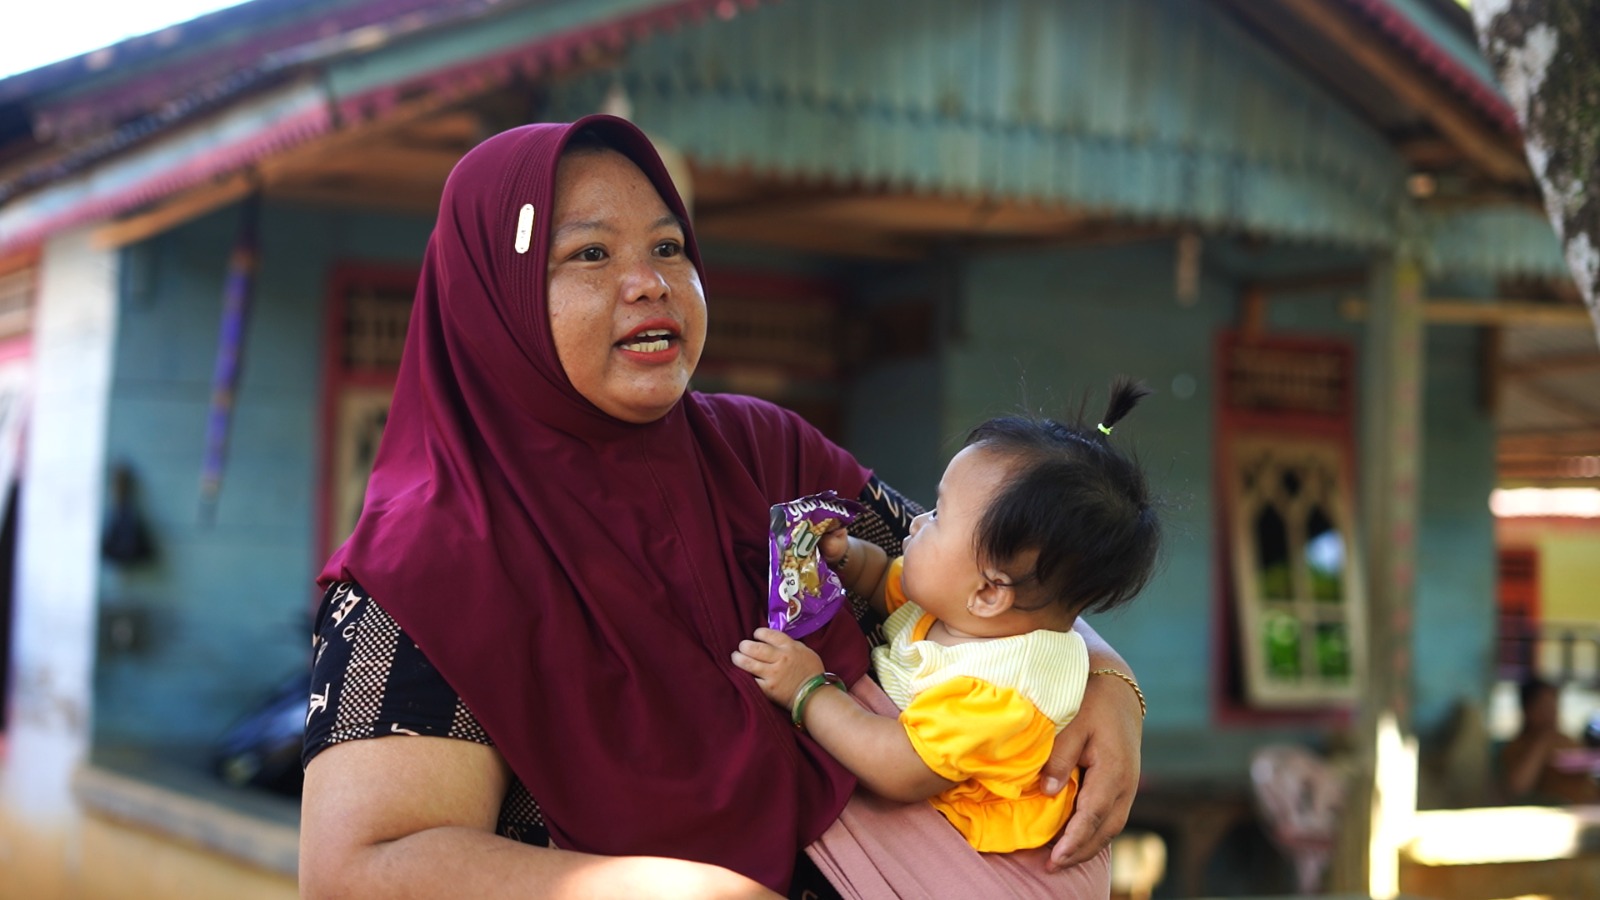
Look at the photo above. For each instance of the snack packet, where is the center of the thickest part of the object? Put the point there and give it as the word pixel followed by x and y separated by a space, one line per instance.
pixel 802 592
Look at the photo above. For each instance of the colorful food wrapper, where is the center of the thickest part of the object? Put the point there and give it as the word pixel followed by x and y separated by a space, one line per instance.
pixel 802 592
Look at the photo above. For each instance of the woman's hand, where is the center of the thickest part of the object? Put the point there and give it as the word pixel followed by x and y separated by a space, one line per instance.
pixel 780 664
pixel 1104 740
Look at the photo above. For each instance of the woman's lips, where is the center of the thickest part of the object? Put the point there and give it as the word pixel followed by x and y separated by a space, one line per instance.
pixel 650 340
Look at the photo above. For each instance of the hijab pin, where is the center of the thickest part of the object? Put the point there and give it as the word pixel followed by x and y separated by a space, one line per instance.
pixel 524 227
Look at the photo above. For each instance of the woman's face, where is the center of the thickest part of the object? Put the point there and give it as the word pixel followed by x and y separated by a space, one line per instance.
pixel 626 308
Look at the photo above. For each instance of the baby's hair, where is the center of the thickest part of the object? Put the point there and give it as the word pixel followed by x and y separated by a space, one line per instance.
pixel 1077 500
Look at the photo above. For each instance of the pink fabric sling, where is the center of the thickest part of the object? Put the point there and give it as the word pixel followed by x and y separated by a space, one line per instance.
pixel 881 850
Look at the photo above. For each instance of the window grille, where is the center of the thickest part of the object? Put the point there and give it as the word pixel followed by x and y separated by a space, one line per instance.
pixel 1299 591
pixel 786 334
pixel 375 327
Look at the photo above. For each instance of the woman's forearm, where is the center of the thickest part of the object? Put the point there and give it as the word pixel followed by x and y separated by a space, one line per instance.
pixel 467 862
pixel 412 816
pixel 1101 654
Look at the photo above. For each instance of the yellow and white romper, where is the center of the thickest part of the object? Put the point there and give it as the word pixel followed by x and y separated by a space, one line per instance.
pixel 985 714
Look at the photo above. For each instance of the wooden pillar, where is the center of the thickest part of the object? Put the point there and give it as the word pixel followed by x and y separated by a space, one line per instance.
pixel 1383 795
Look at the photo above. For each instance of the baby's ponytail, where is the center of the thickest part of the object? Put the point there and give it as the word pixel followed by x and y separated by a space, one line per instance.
pixel 1125 395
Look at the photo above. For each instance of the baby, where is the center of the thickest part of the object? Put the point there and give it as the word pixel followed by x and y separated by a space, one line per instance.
pixel 1036 522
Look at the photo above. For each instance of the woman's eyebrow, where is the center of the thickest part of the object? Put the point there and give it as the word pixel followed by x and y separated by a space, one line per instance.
pixel 667 221
pixel 567 228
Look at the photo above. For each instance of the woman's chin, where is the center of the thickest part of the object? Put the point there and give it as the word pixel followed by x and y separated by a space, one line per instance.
pixel 644 405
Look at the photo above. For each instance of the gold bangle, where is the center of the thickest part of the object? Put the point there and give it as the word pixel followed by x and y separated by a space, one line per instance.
pixel 1143 710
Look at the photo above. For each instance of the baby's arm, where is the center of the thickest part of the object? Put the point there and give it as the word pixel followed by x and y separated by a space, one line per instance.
pixel 875 748
pixel 866 567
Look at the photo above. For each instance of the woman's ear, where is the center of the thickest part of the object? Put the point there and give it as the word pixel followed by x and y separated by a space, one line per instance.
pixel 994 597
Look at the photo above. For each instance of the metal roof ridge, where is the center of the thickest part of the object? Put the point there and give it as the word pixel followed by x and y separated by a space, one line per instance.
pixel 1484 96
pixel 220 58
pixel 550 51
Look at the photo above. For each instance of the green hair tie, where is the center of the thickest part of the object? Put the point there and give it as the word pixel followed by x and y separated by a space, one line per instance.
pixel 1104 429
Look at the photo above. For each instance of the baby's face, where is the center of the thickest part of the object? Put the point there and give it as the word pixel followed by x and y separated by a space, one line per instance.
pixel 941 558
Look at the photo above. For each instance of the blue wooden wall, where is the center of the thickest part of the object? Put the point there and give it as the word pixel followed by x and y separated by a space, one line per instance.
pixel 227 604
pixel 1455 604
pixel 1057 323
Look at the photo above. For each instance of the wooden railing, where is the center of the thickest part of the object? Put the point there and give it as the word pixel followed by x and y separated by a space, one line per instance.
pixel 1561 653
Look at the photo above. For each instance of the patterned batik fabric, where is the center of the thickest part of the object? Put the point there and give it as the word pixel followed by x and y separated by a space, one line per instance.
pixel 369 680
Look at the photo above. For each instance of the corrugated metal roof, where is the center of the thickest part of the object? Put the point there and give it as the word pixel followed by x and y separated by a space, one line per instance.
pixel 1497 241
pixel 1140 108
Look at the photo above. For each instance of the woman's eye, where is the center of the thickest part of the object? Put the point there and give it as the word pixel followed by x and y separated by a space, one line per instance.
pixel 591 254
pixel 669 249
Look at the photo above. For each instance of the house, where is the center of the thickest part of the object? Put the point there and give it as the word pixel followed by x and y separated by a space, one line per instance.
pixel 914 215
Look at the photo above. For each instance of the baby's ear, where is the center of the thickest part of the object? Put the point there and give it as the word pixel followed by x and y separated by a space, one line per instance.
pixel 993 598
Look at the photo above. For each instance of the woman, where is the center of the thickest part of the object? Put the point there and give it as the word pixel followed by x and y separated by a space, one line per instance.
pixel 576 544
pixel 1540 764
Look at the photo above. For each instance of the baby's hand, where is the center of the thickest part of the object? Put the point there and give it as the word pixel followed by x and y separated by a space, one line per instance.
pixel 835 544
pixel 780 663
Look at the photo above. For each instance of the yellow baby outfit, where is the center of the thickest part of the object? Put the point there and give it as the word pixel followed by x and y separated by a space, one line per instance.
pixel 985 714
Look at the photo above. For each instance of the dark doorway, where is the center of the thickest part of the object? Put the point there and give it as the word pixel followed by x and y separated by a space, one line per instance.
pixel 8 571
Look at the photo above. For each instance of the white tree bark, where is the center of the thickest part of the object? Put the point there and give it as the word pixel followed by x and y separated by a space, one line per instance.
pixel 1547 56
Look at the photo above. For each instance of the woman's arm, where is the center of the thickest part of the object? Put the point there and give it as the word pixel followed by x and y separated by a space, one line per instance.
pixel 409 816
pixel 1104 739
pixel 1522 762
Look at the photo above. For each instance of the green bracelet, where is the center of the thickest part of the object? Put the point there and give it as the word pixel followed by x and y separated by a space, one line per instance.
pixel 797 709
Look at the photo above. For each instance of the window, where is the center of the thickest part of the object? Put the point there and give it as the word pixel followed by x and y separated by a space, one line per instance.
pixel 368 309
pixel 1293 578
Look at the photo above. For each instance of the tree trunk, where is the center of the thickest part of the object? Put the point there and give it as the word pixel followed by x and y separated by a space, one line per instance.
pixel 1547 56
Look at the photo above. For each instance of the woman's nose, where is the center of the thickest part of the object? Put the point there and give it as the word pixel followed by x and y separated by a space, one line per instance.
pixel 646 282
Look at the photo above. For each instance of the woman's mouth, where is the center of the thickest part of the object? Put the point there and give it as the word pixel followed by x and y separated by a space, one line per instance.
pixel 652 340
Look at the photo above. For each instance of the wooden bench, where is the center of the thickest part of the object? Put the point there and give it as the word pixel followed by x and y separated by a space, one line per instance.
pixel 1494 852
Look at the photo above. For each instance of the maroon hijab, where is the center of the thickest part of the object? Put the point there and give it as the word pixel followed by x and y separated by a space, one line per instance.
pixel 580 581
